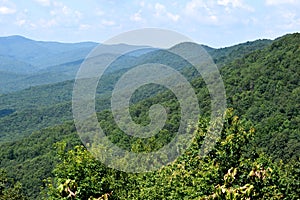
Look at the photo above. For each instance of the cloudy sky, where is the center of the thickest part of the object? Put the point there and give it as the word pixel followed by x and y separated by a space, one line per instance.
pixel 216 23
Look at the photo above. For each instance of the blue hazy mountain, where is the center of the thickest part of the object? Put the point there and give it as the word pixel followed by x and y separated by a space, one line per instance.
pixel 25 62
pixel 43 54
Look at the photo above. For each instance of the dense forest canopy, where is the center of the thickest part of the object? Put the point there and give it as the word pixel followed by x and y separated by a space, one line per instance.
pixel 256 157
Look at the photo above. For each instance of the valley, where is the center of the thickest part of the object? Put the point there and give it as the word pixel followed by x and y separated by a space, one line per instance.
pixel 41 150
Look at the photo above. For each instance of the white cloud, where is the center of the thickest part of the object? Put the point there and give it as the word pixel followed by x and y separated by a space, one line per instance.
pixel 217 12
pixel 136 16
pixel 84 26
pixel 291 20
pixel 47 23
pixel 21 22
pixel 63 13
pixel 201 11
pixel 173 17
pixel 228 4
pixel 44 2
pixel 108 22
pixel 6 10
pixel 161 11
pixel 279 2
pixel 192 6
pixel 33 25
pixel 234 3
pixel 78 14
pixel 61 9
pixel 22 18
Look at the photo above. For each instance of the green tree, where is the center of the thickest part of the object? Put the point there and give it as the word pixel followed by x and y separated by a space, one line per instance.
pixel 227 172
pixel 10 190
pixel 79 176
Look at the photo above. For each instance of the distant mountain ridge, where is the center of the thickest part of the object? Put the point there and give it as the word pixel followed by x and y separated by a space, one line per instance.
pixel 43 54
pixel 262 84
pixel 25 62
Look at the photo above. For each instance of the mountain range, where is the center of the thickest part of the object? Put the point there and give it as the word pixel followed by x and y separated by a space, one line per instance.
pixel 262 86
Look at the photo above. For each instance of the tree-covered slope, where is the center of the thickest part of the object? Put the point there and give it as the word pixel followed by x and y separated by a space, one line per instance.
pixel 261 85
pixel 225 173
pixel 223 56
pixel 47 105
pixel 264 87
pixel 13 65
pixel 32 159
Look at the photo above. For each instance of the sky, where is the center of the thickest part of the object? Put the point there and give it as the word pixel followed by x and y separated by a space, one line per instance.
pixel 216 23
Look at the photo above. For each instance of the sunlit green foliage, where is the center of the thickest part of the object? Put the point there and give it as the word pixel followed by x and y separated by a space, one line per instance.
pixel 263 88
pixel 10 190
pixel 225 173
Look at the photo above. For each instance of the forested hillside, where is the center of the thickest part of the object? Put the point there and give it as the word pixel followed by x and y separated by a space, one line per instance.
pixel 47 105
pixel 264 87
pixel 257 156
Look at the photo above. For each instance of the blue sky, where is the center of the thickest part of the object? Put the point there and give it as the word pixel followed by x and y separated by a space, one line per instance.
pixel 216 23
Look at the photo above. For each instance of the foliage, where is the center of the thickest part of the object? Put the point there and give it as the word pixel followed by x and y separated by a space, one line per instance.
pixel 32 159
pixel 262 86
pixel 10 190
pixel 225 173
pixel 78 175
